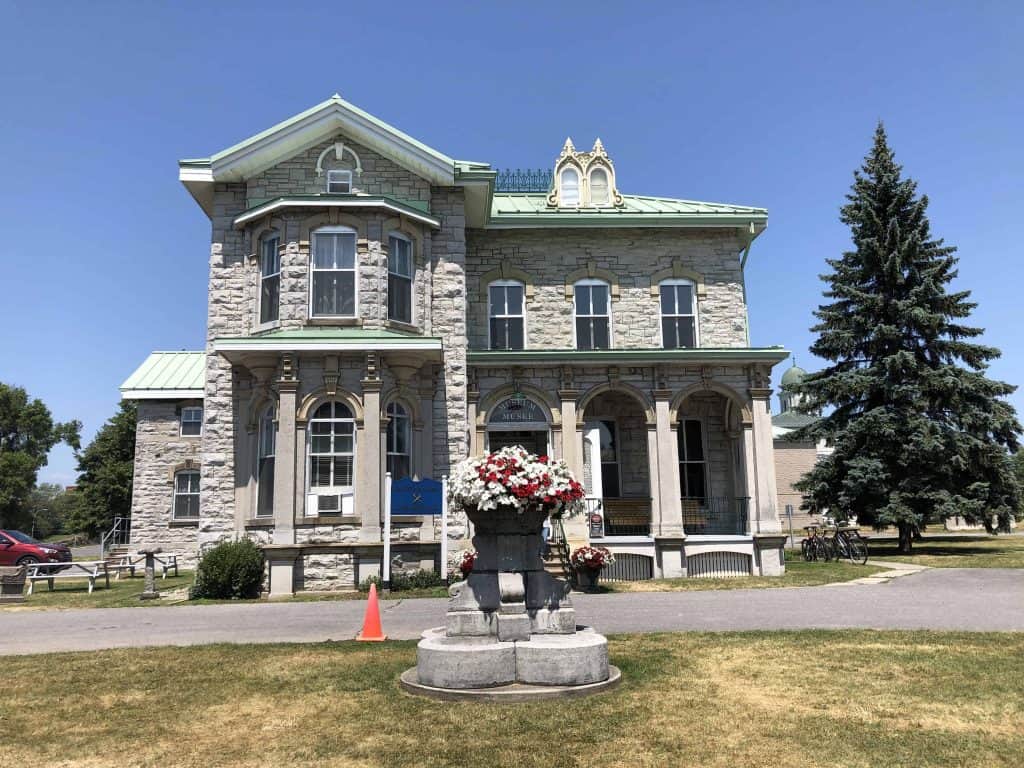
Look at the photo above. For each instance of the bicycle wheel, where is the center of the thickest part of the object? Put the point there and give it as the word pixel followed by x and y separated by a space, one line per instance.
pixel 805 550
pixel 821 550
pixel 842 547
pixel 858 550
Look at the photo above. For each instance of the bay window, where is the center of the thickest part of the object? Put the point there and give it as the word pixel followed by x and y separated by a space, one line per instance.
pixel 270 277
pixel 333 273
pixel 400 274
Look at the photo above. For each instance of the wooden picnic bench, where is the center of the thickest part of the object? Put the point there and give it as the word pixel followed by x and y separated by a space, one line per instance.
pixel 134 561
pixel 79 569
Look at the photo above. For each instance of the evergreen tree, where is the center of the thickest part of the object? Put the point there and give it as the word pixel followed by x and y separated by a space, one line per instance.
pixel 920 433
pixel 106 471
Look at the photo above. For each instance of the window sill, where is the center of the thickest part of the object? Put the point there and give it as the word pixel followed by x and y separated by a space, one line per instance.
pixel 259 522
pixel 182 522
pixel 329 520
pixel 266 327
pixel 335 321
pixel 398 325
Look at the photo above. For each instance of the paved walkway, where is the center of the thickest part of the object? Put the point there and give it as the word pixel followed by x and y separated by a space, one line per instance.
pixel 936 598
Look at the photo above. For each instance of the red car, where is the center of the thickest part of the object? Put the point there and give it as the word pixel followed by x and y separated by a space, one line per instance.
pixel 17 548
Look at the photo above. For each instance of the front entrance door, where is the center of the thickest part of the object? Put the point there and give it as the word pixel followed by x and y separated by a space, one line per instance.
pixel 535 441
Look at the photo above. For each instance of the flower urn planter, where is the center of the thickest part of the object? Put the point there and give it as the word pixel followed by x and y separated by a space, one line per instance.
pixel 586 578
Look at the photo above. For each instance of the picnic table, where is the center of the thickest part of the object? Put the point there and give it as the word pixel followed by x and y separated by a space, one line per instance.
pixel 77 569
pixel 135 560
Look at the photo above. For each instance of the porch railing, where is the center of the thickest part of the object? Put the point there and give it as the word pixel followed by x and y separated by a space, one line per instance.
pixel 715 516
pixel 627 516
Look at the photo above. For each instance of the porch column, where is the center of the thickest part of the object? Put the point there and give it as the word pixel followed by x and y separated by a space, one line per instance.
pixel 577 528
pixel 284 455
pixel 369 468
pixel 748 483
pixel 426 446
pixel 666 471
pixel 767 517
pixel 476 447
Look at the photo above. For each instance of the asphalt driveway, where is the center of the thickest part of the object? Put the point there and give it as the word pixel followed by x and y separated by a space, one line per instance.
pixel 940 598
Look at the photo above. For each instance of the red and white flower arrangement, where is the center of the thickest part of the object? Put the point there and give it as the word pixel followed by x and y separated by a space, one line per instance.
pixel 594 558
pixel 467 561
pixel 514 477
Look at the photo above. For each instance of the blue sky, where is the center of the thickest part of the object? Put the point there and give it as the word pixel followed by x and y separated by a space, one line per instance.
pixel 105 255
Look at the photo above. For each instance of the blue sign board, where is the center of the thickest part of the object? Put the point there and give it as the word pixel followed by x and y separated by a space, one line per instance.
pixel 415 497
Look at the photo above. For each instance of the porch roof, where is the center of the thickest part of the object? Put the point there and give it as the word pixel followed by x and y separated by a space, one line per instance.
pixel 608 356
pixel 167 376
pixel 330 340
pixel 414 209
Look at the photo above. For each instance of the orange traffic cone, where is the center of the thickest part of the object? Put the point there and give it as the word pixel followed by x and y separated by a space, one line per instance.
pixel 372 631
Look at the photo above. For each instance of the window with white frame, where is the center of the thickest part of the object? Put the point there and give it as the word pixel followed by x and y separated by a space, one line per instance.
pixel 678 314
pixel 267 438
pixel 506 315
pixel 399 441
pixel 611 476
pixel 569 183
pixel 592 306
pixel 599 194
pixel 332 437
pixel 333 266
pixel 186 495
pixel 339 182
pixel 400 274
pixel 192 421
pixel 270 277
pixel 692 462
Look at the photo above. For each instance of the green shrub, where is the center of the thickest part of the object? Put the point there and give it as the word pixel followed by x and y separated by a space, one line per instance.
pixel 232 570
pixel 401 582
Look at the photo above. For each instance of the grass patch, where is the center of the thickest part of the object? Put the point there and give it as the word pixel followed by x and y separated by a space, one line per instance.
pixel 799 573
pixel 955 551
pixel 738 699
pixel 74 593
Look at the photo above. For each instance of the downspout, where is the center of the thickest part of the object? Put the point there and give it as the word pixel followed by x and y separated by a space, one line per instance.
pixel 743 264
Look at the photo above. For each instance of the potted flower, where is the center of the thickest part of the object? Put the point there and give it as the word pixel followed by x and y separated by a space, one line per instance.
pixel 508 495
pixel 466 562
pixel 588 562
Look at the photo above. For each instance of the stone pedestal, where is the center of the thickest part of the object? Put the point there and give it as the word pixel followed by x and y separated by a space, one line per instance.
pixel 149 591
pixel 12 584
pixel 510 624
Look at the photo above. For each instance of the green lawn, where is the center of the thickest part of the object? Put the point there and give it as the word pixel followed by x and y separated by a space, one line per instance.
pixel 849 699
pixel 74 593
pixel 955 551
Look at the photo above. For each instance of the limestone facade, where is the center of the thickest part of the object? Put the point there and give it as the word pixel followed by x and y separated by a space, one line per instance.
pixel 440 372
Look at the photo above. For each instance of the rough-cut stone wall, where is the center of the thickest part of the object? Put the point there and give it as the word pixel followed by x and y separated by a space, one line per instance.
pixel 159 449
pixel 228 315
pixel 633 256
pixel 297 176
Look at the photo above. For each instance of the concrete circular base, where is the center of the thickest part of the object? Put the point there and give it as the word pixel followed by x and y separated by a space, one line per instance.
pixel 511 694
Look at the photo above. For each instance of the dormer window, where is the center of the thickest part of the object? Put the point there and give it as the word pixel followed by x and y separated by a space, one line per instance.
pixel 339 182
pixel 570 182
pixel 599 187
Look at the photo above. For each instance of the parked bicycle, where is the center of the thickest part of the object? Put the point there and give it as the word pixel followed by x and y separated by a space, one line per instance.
pixel 814 546
pixel 847 542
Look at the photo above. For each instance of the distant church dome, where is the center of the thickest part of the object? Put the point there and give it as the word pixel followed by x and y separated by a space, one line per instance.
pixel 794 375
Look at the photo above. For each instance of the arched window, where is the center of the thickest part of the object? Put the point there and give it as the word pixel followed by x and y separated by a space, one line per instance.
pixel 599 194
pixel 678 314
pixel 332 282
pixel 332 437
pixel 270 276
pixel 592 307
pixel 266 438
pixel 517 420
pixel 517 410
pixel 506 315
pixel 569 182
pixel 186 495
pixel 399 441
pixel 400 274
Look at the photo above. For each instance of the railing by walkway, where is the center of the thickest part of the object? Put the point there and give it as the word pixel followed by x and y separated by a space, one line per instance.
pixel 715 516
pixel 118 535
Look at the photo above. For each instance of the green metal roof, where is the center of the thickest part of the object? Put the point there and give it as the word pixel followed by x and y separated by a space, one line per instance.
pixel 415 209
pixel 794 375
pixel 167 375
pixel 329 339
pixel 610 356
pixel 518 209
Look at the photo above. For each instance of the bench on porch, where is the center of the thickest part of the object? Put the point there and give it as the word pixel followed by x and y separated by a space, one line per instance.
pixel 81 569
pixel 627 516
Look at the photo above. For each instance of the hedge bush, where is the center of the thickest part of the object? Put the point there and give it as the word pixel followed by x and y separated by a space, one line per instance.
pixel 232 570
pixel 405 581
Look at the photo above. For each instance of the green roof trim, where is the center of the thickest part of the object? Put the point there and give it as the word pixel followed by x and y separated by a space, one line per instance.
pixel 793 420
pixel 329 339
pixel 771 355
pixel 167 375
pixel 519 209
pixel 418 209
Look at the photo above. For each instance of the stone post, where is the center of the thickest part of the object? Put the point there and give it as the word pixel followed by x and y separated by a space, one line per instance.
pixel 764 461
pixel 149 591
pixel 368 480
pixel 670 522
pixel 284 458
pixel 749 478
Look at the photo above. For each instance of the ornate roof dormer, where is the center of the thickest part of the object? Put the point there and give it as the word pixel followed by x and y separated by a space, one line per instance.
pixel 584 179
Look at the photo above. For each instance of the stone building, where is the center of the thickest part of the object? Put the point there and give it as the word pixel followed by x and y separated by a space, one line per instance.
pixel 375 305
